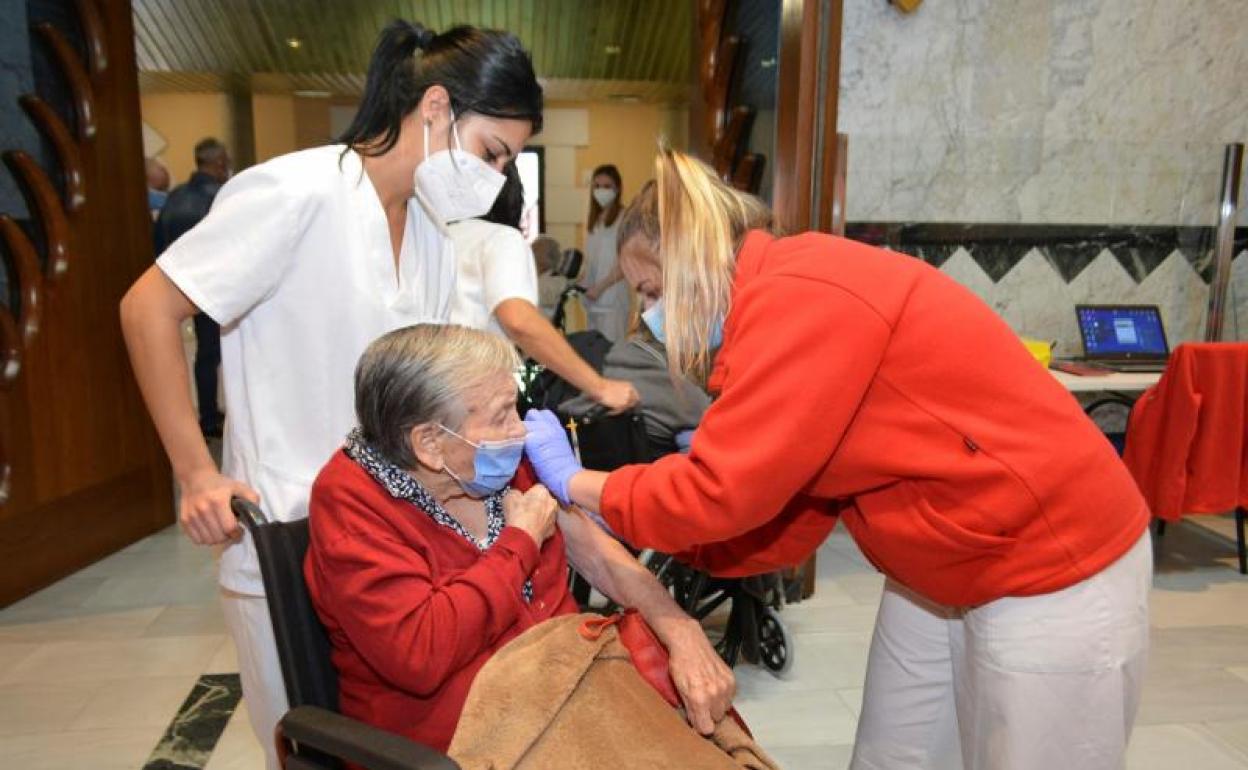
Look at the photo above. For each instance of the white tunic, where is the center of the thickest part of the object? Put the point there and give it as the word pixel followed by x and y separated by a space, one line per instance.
pixel 493 265
pixel 295 262
pixel 609 313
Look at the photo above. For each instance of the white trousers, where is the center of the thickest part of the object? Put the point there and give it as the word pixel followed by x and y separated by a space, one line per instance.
pixel 1050 681
pixel 247 618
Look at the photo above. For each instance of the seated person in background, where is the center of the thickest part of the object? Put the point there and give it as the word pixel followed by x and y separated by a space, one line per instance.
pixel 550 285
pixel 671 407
pixel 496 290
pixel 423 561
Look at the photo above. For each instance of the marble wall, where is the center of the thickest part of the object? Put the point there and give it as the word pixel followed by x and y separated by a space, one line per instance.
pixel 1105 111
pixel 1108 115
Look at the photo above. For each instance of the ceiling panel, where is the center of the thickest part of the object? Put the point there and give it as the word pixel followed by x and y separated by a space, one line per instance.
pixel 637 47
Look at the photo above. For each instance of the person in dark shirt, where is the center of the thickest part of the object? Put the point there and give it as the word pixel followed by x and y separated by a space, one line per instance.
pixel 186 205
pixel 157 185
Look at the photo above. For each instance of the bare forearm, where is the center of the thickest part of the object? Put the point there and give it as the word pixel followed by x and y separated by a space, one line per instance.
pixel 542 342
pixel 610 568
pixel 585 489
pixel 612 278
pixel 635 586
pixel 152 331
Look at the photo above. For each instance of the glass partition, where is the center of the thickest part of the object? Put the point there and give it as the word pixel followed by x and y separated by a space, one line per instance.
pixel 1237 291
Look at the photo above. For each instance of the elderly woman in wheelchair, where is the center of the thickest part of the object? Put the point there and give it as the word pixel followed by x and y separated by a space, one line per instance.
pixel 429 552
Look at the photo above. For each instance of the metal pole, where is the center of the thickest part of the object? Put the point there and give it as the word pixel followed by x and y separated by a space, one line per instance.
pixel 838 185
pixel 1224 248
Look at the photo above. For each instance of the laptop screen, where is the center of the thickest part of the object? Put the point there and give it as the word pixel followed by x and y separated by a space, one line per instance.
pixel 1122 331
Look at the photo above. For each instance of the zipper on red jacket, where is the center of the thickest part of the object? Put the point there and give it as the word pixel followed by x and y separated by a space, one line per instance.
pixel 971 446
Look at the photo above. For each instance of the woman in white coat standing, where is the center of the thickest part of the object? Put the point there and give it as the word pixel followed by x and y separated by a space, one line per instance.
pixel 497 291
pixel 303 261
pixel 606 295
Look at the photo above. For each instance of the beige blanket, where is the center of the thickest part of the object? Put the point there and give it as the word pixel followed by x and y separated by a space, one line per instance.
pixel 551 699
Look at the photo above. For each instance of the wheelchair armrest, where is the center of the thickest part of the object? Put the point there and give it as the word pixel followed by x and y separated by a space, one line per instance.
pixel 358 743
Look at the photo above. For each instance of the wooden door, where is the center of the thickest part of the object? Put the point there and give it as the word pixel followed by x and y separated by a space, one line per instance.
pixel 81 470
pixel 780 57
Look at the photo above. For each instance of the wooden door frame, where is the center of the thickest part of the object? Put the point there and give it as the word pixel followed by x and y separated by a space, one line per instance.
pixel 88 473
pixel 807 154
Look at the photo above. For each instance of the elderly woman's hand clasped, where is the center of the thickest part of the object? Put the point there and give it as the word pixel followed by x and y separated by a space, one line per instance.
pixel 532 511
pixel 548 450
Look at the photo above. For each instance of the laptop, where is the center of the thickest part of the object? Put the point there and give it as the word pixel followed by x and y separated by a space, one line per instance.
pixel 1125 338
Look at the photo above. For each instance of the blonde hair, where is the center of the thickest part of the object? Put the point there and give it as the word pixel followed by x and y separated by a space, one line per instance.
pixel 419 374
pixel 702 221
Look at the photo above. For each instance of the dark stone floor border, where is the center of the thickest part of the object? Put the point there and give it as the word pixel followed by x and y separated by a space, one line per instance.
pixel 193 734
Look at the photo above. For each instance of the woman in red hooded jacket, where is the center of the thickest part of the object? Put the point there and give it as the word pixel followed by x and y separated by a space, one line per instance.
pixel 862 385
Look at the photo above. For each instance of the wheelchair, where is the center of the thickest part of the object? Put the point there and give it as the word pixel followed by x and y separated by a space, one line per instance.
pixel 753 629
pixel 313 735
pixel 569 267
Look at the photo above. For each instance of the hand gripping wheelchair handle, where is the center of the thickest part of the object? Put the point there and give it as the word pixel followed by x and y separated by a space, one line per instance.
pixel 248 513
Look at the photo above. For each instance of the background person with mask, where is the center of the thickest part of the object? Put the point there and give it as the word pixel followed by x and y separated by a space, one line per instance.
pixel 185 207
pixel 157 185
pixel 304 260
pixel 496 291
pixel 550 285
pixel 861 385
pixel 606 295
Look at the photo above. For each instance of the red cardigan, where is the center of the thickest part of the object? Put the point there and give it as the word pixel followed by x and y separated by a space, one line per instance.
pixel 1187 443
pixel 860 383
pixel 413 610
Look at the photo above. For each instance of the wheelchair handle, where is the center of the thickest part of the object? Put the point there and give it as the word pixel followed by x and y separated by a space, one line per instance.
pixel 247 512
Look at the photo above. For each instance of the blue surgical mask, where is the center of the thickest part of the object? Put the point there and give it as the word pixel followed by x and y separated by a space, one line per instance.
pixel 493 465
pixel 654 320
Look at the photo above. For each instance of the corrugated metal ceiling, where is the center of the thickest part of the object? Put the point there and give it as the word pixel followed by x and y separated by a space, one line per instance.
pixel 581 48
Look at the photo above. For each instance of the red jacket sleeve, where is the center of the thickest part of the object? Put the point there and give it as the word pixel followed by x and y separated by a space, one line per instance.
pixel 785 541
pixel 799 356
pixel 413 631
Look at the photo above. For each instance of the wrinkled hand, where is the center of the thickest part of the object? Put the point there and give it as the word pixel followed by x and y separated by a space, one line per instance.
pixel 705 683
pixel 617 395
pixel 204 507
pixel 548 450
pixel 532 511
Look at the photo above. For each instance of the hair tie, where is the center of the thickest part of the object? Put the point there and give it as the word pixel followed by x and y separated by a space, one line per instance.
pixel 422 35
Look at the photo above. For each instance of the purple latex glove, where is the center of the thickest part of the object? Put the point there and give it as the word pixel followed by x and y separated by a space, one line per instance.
pixel 548 450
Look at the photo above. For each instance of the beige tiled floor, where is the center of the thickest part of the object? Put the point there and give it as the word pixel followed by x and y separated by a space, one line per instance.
pixel 93 668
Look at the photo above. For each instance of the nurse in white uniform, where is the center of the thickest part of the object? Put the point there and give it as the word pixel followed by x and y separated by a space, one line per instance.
pixel 607 302
pixel 497 291
pixel 303 261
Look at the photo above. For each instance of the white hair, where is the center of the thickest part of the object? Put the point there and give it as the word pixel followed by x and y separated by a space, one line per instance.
pixel 419 374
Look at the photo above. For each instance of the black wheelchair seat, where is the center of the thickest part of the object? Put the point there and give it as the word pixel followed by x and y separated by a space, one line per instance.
pixel 313 735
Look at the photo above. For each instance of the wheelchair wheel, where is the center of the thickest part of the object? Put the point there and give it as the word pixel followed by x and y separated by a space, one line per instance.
pixel 659 565
pixel 775 645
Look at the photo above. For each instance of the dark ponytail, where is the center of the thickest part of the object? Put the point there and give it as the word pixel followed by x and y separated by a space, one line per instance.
pixel 484 71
